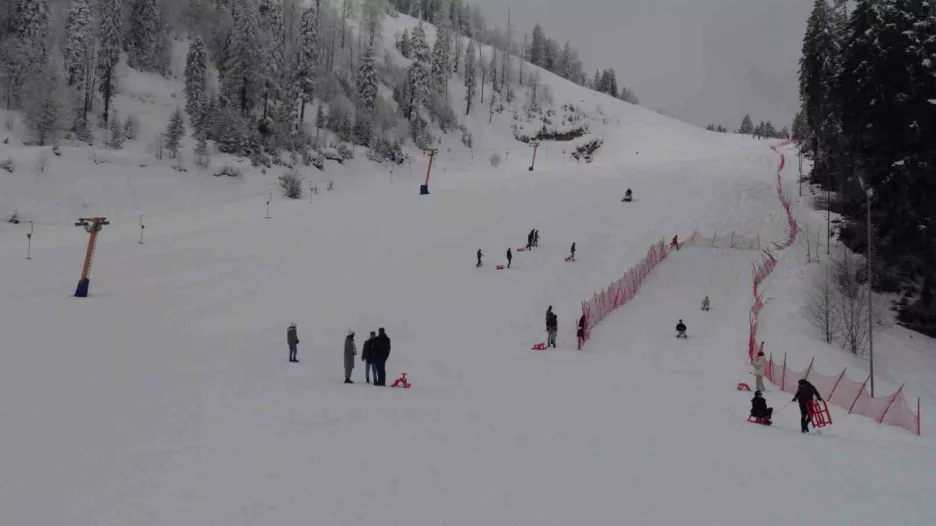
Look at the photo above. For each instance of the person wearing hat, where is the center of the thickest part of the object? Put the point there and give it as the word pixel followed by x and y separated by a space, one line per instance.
pixel 805 394
pixel 350 351
pixel 292 340
pixel 367 356
pixel 381 352
pixel 760 365
pixel 759 409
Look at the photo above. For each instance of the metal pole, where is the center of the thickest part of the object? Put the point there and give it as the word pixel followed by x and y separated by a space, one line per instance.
pixel 870 304
pixel 142 226
pixel 29 241
pixel 268 206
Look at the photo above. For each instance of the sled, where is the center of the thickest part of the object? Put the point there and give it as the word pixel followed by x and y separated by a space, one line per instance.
pixel 402 382
pixel 568 258
pixel 522 249
pixel 539 347
pixel 759 420
pixel 744 387
pixel 627 199
pixel 819 415
pixel 500 267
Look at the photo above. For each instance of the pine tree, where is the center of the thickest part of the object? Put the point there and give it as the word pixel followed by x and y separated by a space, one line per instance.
pixel 28 49
pixel 492 69
pixel 538 46
pixel 441 61
pixel 273 44
pixel 241 82
pixel 78 27
pixel 117 135
pixel 308 58
pixel 45 101
pixel 143 34
pixel 747 127
pixel 470 77
pixel 818 69
pixel 564 65
pixel 174 133
pixel 366 98
pixel 196 70
pixel 418 72
pixel 109 51
pixel 404 46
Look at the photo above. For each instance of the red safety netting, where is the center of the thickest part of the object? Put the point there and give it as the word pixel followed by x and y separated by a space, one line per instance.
pixel 621 291
pixel 842 391
pixel 723 240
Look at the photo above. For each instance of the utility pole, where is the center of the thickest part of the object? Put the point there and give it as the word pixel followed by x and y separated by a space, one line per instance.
pixel 29 241
pixel 269 199
pixel 142 226
pixel 535 146
pixel 92 225
pixel 868 193
pixel 424 189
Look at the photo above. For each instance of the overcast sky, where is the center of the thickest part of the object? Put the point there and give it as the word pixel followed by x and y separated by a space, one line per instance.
pixel 702 61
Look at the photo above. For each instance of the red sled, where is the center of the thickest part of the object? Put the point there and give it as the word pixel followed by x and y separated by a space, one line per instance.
pixel 402 382
pixel 539 347
pixel 819 414
pixel 568 258
pixel 521 250
pixel 759 420
pixel 499 267
pixel 744 387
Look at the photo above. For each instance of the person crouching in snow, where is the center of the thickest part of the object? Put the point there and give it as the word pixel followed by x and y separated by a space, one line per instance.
pixel 759 409
pixel 350 351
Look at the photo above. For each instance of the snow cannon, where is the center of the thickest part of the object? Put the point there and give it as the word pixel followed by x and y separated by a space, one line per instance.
pixel 402 382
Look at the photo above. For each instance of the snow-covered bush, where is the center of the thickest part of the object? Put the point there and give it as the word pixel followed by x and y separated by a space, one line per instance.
pixel 229 171
pixel 345 151
pixel 8 165
pixel 313 158
pixel 291 183
pixel 131 128
pixel 495 159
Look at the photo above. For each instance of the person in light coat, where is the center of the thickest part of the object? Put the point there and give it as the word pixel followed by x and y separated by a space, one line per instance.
pixel 760 365
pixel 350 351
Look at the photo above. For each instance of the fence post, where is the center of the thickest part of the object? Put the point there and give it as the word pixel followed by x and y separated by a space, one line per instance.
pixel 860 392
pixel 770 370
pixel 783 381
pixel 836 383
pixel 714 238
pixel 732 239
pixel 889 404
pixel 809 368
pixel 919 431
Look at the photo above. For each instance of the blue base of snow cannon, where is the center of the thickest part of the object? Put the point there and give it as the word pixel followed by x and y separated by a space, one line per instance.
pixel 82 290
pixel 423 189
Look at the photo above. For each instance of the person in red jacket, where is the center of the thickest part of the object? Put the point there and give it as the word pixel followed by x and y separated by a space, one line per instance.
pixel 675 242
pixel 805 394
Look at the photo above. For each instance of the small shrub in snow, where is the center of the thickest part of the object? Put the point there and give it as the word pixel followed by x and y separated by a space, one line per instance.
pixel 313 158
pixel 131 128
pixel 7 165
pixel 229 171
pixel 467 139
pixel 332 154
pixel 345 151
pixel 116 134
pixel 495 159
pixel 291 183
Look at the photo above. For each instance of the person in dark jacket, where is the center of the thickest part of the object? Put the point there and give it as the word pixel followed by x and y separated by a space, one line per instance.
pixel 292 340
pixel 509 257
pixel 675 242
pixel 367 356
pixel 573 251
pixel 680 329
pixel 381 352
pixel 350 351
pixel 530 239
pixel 805 394
pixel 552 327
pixel 479 258
pixel 759 408
pixel 580 332
pixel 536 238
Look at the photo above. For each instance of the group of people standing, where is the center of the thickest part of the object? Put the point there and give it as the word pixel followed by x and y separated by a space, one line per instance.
pixel 806 392
pixel 375 353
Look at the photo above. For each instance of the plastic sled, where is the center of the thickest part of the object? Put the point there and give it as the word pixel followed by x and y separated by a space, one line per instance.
pixel 627 199
pixel 819 415
pixel 744 387
pixel 500 267
pixel 521 249
pixel 568 258
pixel 539 347
pixel 402 382
pixel 759 420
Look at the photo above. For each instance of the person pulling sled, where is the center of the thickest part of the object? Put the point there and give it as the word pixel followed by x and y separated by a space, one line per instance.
pixel 681 330
pixel 805 394
pixel 627 196
pixel 705 302
pixel 759 410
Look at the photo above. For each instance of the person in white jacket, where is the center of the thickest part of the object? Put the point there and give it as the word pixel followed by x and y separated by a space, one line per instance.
pixel 760 365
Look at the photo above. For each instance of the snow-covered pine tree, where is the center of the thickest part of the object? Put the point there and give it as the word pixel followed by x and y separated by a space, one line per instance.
pixel 109 51
pixel 818 69
pixel 174 133
pixel 441 60
pixel 143 34
pixel 196 70
pixel 372 15
pixel 240 84
pixel 28 49
pixel 45 100
pixel 564 65
pixel 747 127
pixel 116 136
pixel 470 77
pixel 366 98
pixel 538 46
pixel 273 38
pixel 418 72
pixel 308 58
pixel 78 36
pixel 492 69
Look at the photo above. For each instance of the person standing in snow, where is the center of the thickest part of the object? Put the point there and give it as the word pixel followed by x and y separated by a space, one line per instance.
pixel 580 332
pixel 536 238
pixel 381 352
pixel 680 329
pixel 675 242
pixel 479 258
pixel 706 304
pixel 292 340
pixel 805 394
pixel 367 356
pixel 350 351
pixel 509 257
pixel 552 327
pixel 760 365
pixel 573 252
pixel 530 239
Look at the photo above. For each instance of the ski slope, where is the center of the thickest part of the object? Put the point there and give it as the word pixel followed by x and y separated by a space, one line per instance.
pixel 166 398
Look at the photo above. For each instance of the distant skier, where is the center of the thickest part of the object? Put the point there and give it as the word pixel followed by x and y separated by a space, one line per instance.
pixel 580 332
pixel 367 356
pixel 805 394
pixel 350 351
pixel 536 238
pixel 573 252
pixel 292 340
pixel 509 257
pixel 552 327
pixel 627 196
pixel 381 352
pixel 760 365
pixel 759 409
pixel 706 304
pixel 675 242
pixel 681 330
pixel 479 258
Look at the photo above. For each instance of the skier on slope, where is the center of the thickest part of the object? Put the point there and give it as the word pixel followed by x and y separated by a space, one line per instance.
pixel 292 341
pixel 552 327
pixel 805 394
pixel 530 239
pixel 681 329
pixel 479 258
pixel 759 409
pixel 509 257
